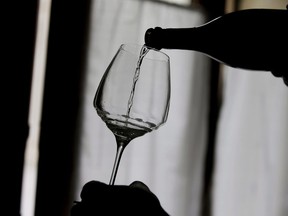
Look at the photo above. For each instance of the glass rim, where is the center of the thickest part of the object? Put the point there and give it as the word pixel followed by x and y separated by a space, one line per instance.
pixel 122 46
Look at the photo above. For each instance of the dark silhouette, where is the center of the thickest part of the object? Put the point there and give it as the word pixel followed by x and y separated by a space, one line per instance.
pixel 101 199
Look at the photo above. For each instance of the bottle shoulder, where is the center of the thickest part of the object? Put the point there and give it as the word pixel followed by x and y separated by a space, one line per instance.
pixel 256 21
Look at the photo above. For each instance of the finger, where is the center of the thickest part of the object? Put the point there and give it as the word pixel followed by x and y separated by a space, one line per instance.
pixel 140 185
pixel 141 188
pixel 277 73
pixel 93 189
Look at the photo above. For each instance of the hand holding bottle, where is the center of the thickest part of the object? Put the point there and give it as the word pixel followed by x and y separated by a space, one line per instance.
pixel 252 39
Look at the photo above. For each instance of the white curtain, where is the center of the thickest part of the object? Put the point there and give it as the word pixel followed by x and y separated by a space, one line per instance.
pixel 169 160
pixel 251 176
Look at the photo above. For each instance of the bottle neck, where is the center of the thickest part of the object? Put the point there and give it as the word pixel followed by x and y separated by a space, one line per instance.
pixel 173 38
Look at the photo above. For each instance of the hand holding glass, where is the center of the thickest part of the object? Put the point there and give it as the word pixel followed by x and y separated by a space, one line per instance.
pixel 134 94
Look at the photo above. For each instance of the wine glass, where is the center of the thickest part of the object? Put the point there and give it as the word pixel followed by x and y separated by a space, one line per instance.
pixel 134 94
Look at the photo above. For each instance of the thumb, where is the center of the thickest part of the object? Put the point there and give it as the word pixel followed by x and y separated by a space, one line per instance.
pixel 140 185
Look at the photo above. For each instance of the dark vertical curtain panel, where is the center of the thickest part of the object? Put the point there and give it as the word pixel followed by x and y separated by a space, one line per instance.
pixel 65 65
pixel 214 8
pixel 18 29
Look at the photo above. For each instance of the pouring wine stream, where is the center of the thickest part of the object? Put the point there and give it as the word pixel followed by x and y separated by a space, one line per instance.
pixel 143 53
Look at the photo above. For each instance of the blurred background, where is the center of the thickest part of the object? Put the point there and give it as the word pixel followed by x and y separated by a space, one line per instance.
pixel 222 151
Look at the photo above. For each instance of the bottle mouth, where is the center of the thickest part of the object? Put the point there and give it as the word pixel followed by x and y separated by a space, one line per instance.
pixel 148 36
pixel 153 38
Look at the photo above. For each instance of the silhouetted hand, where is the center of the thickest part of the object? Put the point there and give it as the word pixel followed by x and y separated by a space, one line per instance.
pixel 102 199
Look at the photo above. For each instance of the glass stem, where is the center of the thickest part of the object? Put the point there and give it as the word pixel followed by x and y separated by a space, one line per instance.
pixel 121 144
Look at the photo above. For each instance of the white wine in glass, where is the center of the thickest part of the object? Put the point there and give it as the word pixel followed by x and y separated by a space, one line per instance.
pixel 133 95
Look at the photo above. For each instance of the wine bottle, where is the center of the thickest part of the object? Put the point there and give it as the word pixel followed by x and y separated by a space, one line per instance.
pixel 254 39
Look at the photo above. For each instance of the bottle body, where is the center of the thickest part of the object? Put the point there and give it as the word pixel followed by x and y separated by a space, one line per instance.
pixel 254 39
